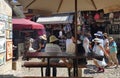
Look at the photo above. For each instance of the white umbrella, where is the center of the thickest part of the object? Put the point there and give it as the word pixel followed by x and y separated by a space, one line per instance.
pixel 59 6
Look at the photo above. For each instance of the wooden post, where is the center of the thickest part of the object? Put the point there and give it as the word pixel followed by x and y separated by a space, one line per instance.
pixel 76 26
pixel 75 61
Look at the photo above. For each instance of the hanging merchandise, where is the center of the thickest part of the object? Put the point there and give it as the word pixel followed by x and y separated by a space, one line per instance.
pixel 2 59
pixel 116 15
pixel 111 16
pixel 81 19
pixel 78 20
pixel 67 28
pixel 101 15
pixel 60 33
pixel 85 16
pixel 90 19
pixel 79 28
pixel 97 16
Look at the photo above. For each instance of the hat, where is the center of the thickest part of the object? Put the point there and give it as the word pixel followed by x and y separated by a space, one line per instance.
pixel 99 33
pixel 43 37
pixel 53 38
pixel 96 40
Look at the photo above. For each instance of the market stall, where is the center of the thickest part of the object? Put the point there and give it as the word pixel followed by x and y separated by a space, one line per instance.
pixel 23 28
pixel 59 25
pixel 21 24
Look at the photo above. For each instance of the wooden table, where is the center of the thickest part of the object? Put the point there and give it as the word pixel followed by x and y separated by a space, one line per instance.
pixel 52 77
pixel 59 55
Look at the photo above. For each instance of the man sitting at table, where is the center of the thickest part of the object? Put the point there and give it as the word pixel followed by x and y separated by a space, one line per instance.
pixel 53 46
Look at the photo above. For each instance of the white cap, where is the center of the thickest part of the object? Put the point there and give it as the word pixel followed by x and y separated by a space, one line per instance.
pixel 96 40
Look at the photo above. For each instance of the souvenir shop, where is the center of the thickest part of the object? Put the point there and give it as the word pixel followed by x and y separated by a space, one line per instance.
pixel 59 25
pixel 62 26
pixel 88 21
pixel 6 47
pixel 23 30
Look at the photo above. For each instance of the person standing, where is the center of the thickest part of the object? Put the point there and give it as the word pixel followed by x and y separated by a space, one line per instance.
pixel 106 46
pixel 113 51
pixel 80 52
pixel 106 42
pixel 86 44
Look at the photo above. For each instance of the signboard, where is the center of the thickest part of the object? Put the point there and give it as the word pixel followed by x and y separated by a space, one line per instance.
pixel 9 50
pixel 2 45
pixel 2 59
pixel 1 17
pixel 2 28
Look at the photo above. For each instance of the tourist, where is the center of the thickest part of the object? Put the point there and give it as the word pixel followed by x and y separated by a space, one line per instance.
pixel 31 49
pixel 79 52
pixel 113 51
pixel 53 46
pixel 106 42
pixel 86 43
pixel 106 46
pixel 41 43
pixel 99 50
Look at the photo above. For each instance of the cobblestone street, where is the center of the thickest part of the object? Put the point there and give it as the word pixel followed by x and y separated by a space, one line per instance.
pixel 86 72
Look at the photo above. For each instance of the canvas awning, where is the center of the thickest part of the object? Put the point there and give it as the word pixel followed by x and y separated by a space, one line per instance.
pixel 20 24
pixel 62 6
pixel 56 19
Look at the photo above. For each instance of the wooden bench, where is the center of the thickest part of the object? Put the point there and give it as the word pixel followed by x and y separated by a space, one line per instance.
pixel 42 64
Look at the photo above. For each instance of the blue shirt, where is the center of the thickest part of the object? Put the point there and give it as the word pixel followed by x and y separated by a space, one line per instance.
pixel 113 47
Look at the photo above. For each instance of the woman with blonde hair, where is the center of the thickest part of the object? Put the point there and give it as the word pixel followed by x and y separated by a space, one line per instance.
pixel 106 47
pixel 113 51
pixel 106 42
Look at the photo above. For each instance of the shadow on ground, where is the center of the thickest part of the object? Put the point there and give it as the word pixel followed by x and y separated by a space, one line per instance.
pixel 90 69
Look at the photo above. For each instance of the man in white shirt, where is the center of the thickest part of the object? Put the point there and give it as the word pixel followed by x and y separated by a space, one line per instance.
pixel 86 43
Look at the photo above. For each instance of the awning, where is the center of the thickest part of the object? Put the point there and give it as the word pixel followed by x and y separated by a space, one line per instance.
pixel 55 19
pixel 20 24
